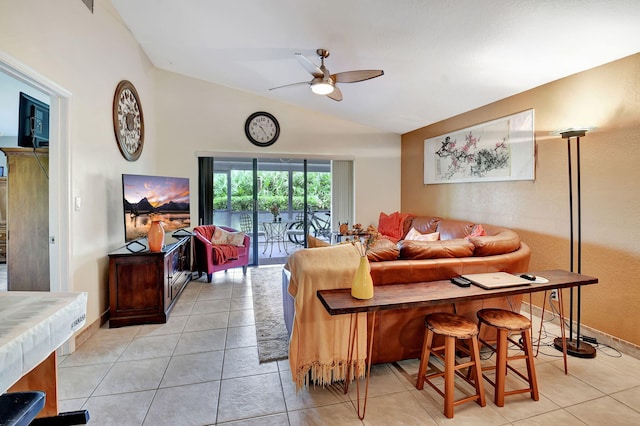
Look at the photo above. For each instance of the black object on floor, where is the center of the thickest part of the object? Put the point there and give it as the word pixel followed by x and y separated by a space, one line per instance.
pixel 68 418
pixel 20 408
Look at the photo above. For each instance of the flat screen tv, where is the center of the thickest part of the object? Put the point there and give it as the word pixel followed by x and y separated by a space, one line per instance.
pixel 33 122
pixel 147 197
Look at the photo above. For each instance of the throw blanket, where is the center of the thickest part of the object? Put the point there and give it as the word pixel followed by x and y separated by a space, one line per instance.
pixel 224 252
pixel 319 345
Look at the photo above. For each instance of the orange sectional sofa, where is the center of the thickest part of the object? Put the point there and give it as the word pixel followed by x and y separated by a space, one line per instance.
pixel 460 249
pixel 399 334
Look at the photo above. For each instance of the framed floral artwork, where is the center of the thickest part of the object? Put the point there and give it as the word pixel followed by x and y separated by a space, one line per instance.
pixel 498 150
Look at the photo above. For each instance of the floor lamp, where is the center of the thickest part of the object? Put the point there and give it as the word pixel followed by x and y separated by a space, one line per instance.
pixel 574 346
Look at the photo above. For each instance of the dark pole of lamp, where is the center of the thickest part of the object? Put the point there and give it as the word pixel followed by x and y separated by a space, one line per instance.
pixel 574 346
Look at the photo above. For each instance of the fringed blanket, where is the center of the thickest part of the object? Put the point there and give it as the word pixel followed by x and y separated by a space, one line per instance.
pixel 224 252
pixel 319 345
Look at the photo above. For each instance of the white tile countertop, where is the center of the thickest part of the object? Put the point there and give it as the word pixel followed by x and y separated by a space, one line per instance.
pixel 32 326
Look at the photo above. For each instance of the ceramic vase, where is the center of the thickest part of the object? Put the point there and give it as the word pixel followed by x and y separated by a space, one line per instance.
pixel 156 236
pixel 362 284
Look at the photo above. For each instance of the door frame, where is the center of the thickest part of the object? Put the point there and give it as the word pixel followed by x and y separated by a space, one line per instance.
pixel 59 169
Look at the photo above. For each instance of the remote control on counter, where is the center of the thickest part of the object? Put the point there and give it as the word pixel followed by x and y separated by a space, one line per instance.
pixel 461 282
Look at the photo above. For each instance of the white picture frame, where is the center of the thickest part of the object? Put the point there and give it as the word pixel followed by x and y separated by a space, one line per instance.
pixel 497 150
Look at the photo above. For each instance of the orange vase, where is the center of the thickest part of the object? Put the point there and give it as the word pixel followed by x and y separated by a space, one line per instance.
pixel 156 236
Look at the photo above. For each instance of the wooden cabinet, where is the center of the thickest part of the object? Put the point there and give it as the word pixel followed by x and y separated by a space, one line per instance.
pixel 27 223
pixel 143 286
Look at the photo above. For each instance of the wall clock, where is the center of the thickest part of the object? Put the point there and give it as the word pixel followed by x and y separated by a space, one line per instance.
pixel 128 121
pixel 262 129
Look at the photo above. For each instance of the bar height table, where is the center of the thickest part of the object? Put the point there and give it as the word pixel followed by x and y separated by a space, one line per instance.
pixel 413 295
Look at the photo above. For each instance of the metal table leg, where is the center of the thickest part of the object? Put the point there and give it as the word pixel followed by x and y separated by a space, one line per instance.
pixel 353 341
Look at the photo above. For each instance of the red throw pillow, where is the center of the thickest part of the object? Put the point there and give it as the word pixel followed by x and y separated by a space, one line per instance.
pixel 392 225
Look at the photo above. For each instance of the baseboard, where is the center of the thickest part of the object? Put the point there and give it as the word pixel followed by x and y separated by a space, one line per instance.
pixel 91 329
pixel 621 345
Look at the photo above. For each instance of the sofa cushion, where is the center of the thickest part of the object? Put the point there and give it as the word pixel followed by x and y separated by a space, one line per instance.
pixel 425 224
pixel 414 235
pixel 435 249
pixel 451 229
pixel 505 241
pixel 407 225
pixel 383 250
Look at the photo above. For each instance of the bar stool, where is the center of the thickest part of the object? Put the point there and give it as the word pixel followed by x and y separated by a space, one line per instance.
pixel 453 328
pixel 507 322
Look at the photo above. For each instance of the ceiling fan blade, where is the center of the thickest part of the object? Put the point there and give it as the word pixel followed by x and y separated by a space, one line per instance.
pixel 355 76
pixel 336 95
pixel 308 65
pixel 290 85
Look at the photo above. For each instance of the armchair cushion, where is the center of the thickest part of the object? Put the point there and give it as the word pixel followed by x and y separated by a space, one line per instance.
pixel 222 253
pixel 222 236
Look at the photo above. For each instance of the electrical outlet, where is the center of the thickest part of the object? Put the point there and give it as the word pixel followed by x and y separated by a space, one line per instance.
pixel 554 294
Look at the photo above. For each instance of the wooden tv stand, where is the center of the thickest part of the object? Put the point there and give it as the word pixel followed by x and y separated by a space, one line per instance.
pixel 144 286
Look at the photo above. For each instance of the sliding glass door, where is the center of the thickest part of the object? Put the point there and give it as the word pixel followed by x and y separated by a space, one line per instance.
pixel 267 198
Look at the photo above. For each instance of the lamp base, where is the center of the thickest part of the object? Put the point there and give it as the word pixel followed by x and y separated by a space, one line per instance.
pixel 584 350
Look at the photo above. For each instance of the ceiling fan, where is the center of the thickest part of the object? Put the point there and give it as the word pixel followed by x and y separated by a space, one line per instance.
pixel 324 83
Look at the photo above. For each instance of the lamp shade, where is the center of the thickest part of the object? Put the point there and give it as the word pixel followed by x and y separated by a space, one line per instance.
pixel 572 132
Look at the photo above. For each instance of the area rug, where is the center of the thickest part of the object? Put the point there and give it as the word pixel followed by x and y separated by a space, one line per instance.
pixel 271 333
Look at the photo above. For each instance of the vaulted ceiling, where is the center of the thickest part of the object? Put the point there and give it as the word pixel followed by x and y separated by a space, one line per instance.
pixel 440 58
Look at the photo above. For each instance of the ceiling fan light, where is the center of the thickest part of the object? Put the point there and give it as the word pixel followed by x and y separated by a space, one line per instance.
pixel 322 88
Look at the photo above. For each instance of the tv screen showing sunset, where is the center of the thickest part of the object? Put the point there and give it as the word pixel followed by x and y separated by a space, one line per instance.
pixel 148 198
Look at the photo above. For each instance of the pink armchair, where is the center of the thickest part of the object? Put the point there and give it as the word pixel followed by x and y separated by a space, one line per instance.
pixel 205 259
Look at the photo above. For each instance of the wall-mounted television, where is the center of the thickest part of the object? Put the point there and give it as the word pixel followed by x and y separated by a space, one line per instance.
pixel 147 197
pixel 33 122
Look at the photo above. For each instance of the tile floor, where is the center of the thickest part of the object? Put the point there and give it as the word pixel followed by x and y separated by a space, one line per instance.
pixel 201 368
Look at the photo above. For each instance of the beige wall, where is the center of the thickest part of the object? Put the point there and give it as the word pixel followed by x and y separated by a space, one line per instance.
pixel 607 97
pixel 87 55
pixel 208 119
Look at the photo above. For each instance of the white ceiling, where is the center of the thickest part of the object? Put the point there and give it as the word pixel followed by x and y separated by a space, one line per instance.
pixel 440 57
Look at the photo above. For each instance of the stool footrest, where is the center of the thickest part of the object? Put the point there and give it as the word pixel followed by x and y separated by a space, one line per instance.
pixel 441 393
pixel 517 391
